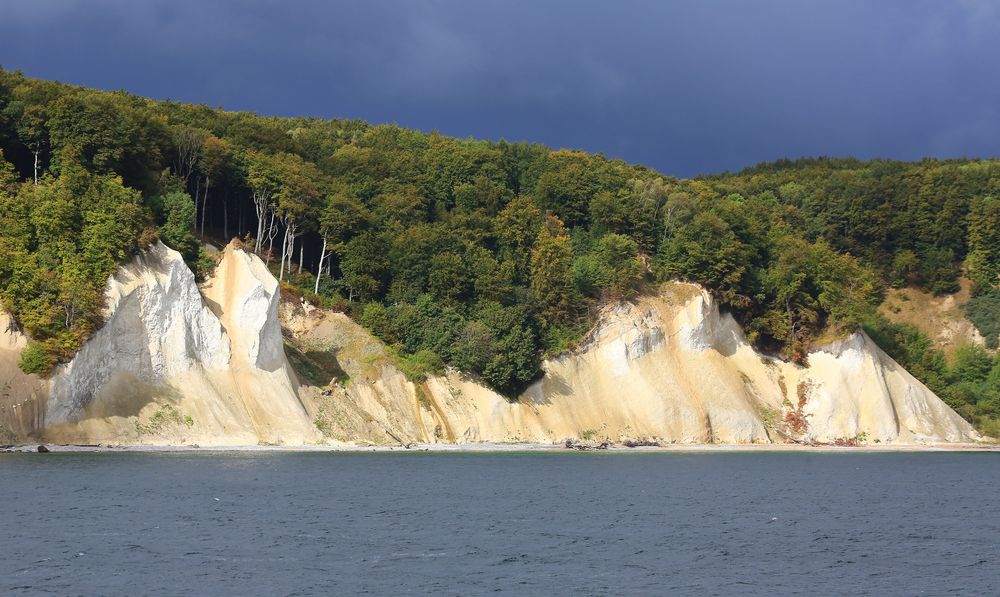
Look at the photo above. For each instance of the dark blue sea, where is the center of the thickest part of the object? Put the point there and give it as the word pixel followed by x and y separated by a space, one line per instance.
pixel 509 523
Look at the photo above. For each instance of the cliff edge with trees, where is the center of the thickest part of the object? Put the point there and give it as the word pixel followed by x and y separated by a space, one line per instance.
pixel 485 256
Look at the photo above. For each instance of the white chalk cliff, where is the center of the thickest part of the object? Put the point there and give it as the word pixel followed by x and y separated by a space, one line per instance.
pixel 170 366
pixel 667 368
pixel 179 364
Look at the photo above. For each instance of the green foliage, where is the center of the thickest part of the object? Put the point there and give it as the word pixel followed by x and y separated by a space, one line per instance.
pixel 298 191
pixel 551 282
pixel 556 339
pixel 215 158
pixel 474 347
pixel 378 320
pixel 706 250
pixel 342 217
pixel 567 191
pixel 618 259
pixel 611 268
pixel 448 279
pixel 496 342
pixel 106 134
pixel 810 288
pixel 515 350
pixel 905 266
pixel 364 266
pixel 517 227
pixel 177 217
pixel 984 311
pixel 939 271
pixel 60 241
pixel 36 358
pixel 983 260
pixel 419 365
pixel 972 363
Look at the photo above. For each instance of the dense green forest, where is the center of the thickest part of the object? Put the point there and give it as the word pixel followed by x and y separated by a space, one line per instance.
pixel 486 256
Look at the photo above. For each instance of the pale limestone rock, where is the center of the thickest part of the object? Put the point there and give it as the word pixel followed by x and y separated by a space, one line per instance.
pixel 855 388
pixel 668 368
pixel 157 328
pixel 246 296
pixel 166 369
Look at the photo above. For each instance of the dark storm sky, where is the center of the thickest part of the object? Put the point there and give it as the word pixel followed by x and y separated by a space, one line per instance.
pixel 685 87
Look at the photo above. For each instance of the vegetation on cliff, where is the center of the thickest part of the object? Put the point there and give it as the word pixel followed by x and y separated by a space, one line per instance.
pixel 486 256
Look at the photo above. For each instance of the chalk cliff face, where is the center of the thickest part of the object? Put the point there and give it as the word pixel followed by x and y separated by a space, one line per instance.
pixel 668 368
pixel 179 364
pixel 157 330
pixel 172 367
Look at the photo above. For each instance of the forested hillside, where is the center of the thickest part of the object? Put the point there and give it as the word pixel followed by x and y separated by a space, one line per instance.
pixel 482 255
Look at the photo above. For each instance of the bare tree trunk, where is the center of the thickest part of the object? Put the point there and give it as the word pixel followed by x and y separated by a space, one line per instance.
pixel 197 194
pixel 36 166
pixel 319 270
pixel 287 246
pixel 791 323
pixel 302 251
pixel 260 224
pixel 284 250
pixel 188 143
pixel 272 231
pixel 204 202
pixel 261 203
pixel 667 217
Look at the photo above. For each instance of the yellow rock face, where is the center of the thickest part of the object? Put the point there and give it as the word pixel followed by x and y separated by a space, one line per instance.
pixel 667 368
pixel 22 397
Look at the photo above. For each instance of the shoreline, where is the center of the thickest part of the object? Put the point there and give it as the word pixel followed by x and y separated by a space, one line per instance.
pixel 503 448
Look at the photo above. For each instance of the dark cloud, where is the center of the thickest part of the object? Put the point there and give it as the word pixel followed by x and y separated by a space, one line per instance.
pixel 684 87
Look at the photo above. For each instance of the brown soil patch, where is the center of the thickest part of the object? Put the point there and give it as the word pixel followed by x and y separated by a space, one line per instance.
pixel 940 317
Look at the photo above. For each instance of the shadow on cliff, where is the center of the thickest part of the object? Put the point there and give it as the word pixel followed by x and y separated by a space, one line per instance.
pixel 125 395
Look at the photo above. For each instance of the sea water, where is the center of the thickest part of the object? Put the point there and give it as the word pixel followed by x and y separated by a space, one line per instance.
pixel 517 523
